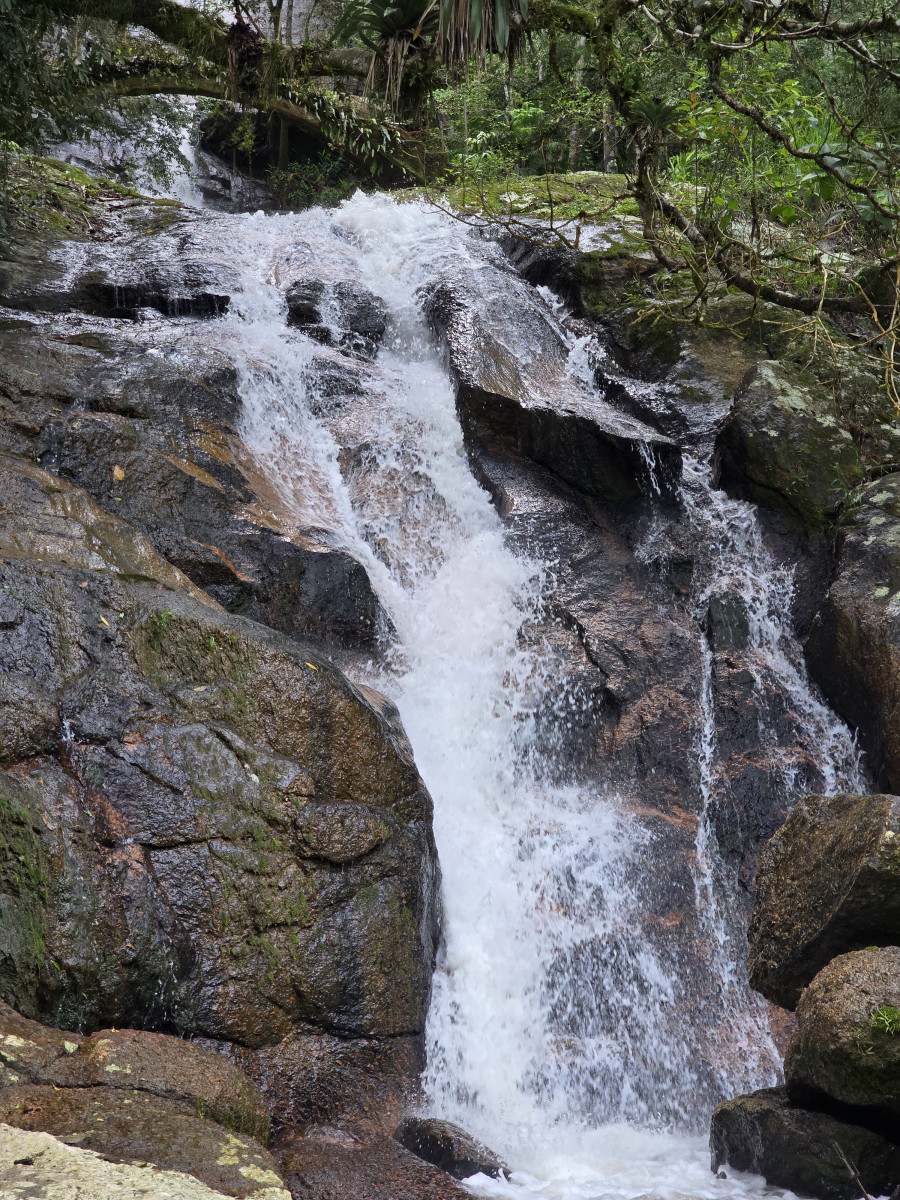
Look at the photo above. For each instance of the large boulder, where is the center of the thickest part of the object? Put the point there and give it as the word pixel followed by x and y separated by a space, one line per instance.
pixel 811 1153
pixel 220 835
pixel 784 447
pixel 846 1046
pixel 154 437
pixel 829 881
pixel 526 399
pixel 36 1164
pixel 854 644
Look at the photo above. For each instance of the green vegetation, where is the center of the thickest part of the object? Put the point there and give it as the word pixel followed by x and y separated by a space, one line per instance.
pixel 757 146
pixel 886 1019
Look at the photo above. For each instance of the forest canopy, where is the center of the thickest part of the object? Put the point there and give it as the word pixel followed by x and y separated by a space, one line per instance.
pixel 758 141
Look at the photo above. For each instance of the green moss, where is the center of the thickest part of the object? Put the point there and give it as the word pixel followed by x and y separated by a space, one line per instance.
pixel 23 898
pixel 45 194
pixel 582 195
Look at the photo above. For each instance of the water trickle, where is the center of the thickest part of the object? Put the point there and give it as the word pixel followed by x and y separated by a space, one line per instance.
pixel 560 1031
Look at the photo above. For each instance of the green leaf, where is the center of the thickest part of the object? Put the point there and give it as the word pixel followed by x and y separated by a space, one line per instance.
pixel 501 24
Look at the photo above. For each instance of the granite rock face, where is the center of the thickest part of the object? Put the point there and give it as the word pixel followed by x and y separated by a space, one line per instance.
pixel 218 833
pixel 828 882
pixel 854 643
pixel 153 436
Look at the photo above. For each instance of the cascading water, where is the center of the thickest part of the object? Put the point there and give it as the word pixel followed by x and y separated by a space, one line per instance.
pixel 557 1031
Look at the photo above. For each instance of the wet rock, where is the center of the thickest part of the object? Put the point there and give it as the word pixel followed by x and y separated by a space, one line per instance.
pixel 29 1051
pixel 155 866
pixel 36 1164
pixel 313 1078
pixel 448 1147
pixel 329 1164
pixel 186 288
pixel 854 644
pixel 29 717
pixel 783 446
pixel 729 622
pixel 530 403
pixel 133 1126
pixel 47 519
pixel 135 1060
pixel 343 314
pixel 154 439
pixel 828 882
pixel 812 1153
pixel 846 1046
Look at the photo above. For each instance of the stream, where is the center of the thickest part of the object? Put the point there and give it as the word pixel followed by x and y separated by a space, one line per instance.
pixel 579 1024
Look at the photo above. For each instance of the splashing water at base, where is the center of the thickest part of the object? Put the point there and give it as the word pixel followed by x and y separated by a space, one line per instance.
pixel 555 1031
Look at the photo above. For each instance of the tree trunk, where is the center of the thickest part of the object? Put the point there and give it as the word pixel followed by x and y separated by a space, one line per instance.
pixel 574 129
pixel 284 144
pixel 609 140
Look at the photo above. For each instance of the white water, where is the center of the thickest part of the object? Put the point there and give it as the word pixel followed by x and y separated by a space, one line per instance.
pixel 556 1029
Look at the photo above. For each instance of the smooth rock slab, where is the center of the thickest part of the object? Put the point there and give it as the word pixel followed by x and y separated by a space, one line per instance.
pixel 36 1166
pixel 524 398
pixel 154 439
pixel 829 881
pixel 129 1127
pixel 837 1050
pixel 800 1149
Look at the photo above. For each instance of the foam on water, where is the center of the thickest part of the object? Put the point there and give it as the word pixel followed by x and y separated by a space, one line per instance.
pixel 554 1029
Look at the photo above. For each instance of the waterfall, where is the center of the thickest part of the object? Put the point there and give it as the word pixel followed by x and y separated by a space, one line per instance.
pixel 557 1031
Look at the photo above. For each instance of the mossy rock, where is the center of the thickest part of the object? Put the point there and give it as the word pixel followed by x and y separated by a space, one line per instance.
pixel 785 448
pixel 846 1046
pixel 828 881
